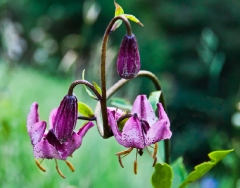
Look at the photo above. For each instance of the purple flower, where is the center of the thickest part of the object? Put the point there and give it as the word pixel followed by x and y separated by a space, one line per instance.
pixel 66 118
pixel 142 129
pixel 45 144
pixel 128 62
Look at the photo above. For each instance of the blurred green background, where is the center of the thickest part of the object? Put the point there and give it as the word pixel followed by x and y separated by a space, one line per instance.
pixel 193 48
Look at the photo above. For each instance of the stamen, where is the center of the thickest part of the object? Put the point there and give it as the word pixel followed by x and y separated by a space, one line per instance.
pixel 125 151
pixel 40 166
pixel 149 152
pixel 135 167
pixel 58 170
pixel 70 165
pixel 155 150
pixel 120 161
pixel 155 161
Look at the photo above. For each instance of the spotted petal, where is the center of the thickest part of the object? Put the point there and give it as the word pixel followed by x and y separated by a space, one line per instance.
pixel 37 131
pixel 33 116
pixel 132 134
pixel 143 108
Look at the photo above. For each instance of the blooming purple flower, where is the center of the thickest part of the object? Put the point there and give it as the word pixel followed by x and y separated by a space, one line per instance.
pixel 45 143
pixel 128 61
pixel 66 118
pixel 143 128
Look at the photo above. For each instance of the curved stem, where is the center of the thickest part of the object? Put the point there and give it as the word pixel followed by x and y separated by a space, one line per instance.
pixel 87 118
pixel 106 129
pixel 86 83
pixel 157 85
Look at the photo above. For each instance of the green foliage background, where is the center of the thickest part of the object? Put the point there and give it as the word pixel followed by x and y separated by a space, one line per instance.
pixel 192 46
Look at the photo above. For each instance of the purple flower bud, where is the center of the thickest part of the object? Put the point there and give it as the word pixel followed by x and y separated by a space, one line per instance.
pixel 66 118
pixel 128 62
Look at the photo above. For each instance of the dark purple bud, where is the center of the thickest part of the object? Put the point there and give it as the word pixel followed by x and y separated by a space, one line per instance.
pixel 128 62
pixel 66 118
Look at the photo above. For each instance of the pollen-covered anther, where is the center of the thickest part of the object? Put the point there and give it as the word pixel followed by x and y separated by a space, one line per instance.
pixel 135 167
pixel 155 150
pixel 154 161
pixel 58 170
pixel 40 166
pixel 70 165
pixel 124 153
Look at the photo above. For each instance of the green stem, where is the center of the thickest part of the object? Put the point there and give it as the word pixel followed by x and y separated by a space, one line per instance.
pixel 86 83
pixel 106 132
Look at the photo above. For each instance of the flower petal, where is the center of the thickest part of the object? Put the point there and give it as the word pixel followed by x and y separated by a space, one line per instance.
pixel 113 124
pixel 76 139
pixel 45 150
pixel 51 117
pixel 132 134
pixel 37 131
pixel 162 114
pixel 159 131
pixel 144 110
pixel 33 116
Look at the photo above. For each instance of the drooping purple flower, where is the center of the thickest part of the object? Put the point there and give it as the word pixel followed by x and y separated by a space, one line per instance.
pixel 143 128
pixel 128 61
pixel 66 118
pixel 45 144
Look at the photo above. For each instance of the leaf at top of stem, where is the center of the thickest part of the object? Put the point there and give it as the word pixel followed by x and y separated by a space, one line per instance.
pixel 119 11
pixel 96 86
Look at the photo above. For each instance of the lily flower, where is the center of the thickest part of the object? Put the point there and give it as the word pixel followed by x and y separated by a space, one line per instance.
pixel 142 129
pixel 45 143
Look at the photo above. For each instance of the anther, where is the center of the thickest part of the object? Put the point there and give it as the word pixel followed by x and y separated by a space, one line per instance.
pixel 70 165
pixel 135 167
pixel 58 170
pixel 120 161
pixel 155 150
pixel 155 161
pixel 40 166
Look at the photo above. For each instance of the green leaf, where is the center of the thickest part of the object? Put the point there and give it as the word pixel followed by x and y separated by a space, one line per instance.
pixel 204 167
pixel 162 176
pixel 85 110
pixel 154 99
pixel 179 171
pixel 87 90
pixel 133 18
pixel 119 11
pixel 120 103
pixel 97 88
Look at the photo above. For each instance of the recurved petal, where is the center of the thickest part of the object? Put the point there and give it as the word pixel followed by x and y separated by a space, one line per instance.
pixel 45 150
pixel 33 116
pixel 159 131
pixel 37 131
pixel 144 110
pixel 113 124
pixel 132 134
pixel 51 117
pixel 162 114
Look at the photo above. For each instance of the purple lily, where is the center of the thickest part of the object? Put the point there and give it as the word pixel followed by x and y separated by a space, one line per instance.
pixel 142 129
pixel 45 144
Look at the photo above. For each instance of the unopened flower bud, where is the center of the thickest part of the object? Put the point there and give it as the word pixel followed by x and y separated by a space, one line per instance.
pixel 128 62
pixel 66 118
